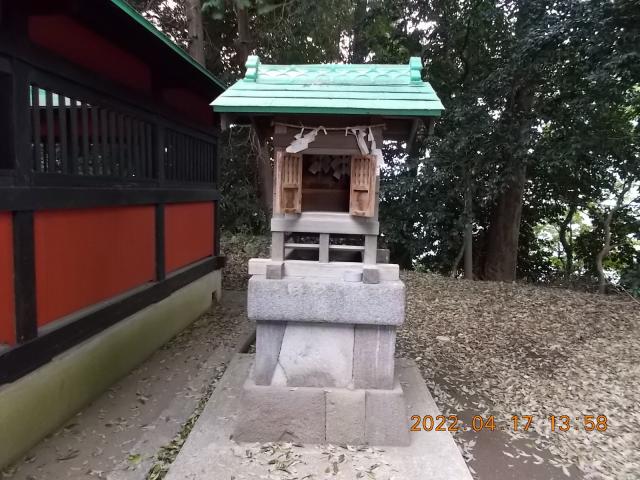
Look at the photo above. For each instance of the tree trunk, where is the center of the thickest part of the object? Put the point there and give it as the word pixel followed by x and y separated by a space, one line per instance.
pixel 358 50
pixel 456 262
pixel 265 170
pixel 567 243
pixel 504 231
pixel 604 253
pixel 468 228
pixel 195 30
pixel 244 37
pixel 606 247
pixel 504 224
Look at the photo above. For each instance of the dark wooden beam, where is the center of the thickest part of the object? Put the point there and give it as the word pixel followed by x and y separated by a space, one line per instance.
pixel 160 253
pixel 216 229
pixel 21 130
pixel 24 276
pixel 37 198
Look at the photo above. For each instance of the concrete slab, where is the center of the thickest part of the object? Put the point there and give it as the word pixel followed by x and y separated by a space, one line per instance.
pixel 209 452
pixel 325 300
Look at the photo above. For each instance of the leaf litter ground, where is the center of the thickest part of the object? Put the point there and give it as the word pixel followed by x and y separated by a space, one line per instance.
pixel 488 348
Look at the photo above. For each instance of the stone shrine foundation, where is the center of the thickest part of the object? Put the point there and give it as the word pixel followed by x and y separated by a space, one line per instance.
pixel 324 368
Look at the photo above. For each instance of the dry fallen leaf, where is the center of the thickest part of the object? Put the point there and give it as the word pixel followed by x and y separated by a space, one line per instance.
pixel 527 350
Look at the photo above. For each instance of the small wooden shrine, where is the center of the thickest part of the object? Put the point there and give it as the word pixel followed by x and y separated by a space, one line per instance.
pixel 327 303
pixel 328 123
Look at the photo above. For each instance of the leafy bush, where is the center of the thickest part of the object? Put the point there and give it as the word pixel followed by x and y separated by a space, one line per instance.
pixel 630 280
pixel 240 208
pixel 239 248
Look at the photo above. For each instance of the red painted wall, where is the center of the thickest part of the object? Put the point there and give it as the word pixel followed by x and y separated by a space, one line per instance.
pixel 7 317
pixel 188 233
pixel 193 106
pixel 71 40
pixel 85 256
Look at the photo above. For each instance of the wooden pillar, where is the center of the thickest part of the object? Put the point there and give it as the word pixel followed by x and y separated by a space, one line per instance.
pixel 24 276
pixel 160 249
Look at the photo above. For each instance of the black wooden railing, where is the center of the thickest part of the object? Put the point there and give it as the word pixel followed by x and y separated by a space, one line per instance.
pixel 100 138
pixel 74 140
pixel 199 150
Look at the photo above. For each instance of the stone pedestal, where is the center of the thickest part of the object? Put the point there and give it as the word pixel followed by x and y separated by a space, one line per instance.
pixel 324 368
pixel 240 409
pixel 325 332
pixel 353 416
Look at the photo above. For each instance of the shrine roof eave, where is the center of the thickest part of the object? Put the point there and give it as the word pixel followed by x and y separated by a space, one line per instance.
pixel 331 89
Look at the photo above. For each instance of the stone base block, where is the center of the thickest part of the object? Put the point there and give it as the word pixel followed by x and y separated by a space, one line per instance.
pixel 279 414
pixel 370 275
pixel 374 349
pixel 212 452
pixel 346 416
pixel 325 300
pixel 300 354
pixel 384 411
pixel 321 415
pixel 275 271
pixel 268 342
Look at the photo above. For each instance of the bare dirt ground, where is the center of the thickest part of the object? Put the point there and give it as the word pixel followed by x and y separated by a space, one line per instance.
pixel 497 349
pixel 134 425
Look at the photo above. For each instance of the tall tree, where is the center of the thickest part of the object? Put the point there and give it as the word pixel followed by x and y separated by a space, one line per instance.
pixel 195 30
pixel 537 121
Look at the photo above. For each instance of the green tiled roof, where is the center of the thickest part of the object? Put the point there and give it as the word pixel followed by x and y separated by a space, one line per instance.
pixel 333 89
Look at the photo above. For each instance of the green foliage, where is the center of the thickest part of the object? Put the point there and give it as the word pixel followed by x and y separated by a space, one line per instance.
pixel 551 89
pixel 576 133
pixel 238 248
pixel 625 234
pixel 289 31
pixel 631 278
pixel 240 208
pixel 302 32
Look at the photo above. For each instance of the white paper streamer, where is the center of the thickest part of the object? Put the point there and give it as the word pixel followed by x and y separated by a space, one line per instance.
pixel 303 140
pixel 363 135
